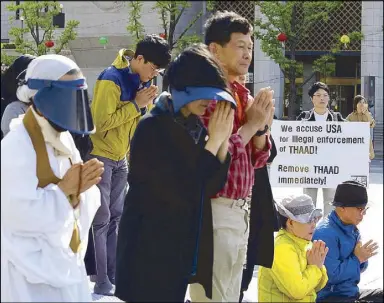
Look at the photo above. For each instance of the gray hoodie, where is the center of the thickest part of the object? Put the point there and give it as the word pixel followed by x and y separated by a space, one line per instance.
pixel 13 110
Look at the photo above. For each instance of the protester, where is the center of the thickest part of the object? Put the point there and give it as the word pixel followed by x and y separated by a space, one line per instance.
pixel 11 105
pixel 298 270
pixel 361 114
pixel 48 197
pixel 122 94
pixel 319 94
pixel 165 233
pixel 229 38
pixel 348 256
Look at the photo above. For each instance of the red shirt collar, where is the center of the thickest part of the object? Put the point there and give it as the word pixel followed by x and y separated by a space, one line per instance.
pixel 240 89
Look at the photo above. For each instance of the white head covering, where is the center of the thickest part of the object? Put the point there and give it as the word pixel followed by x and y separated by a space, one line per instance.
pixel 298 208
pixel 48 67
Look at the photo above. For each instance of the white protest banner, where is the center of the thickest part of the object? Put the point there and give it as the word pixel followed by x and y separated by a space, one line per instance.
pixel 319 154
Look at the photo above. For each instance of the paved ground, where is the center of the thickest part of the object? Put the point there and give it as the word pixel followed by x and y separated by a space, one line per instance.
pixel 371 228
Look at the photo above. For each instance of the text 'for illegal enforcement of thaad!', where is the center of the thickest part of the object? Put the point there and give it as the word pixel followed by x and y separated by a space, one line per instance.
pixel 320 154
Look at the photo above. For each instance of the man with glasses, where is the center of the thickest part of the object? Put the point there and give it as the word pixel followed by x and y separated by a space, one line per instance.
pixel 348 256
pixel 319 94
pixel 122 94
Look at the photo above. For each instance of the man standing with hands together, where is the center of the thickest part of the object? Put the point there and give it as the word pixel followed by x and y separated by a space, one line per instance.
pixel 229 38
pixel 122 94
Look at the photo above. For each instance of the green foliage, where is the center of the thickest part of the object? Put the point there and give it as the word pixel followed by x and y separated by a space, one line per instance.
pixel 8 46
pixel 38 23
pixel 325 65
pixel 296 19
pixel 185 41
pixel 170 13
pixel 6 59
pixel 134 26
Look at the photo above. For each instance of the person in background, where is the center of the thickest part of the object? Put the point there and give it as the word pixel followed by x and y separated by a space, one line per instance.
pixel 229 38
pixel 11 105
pixel 298 270
pixel 122 95
pixel 263 221
pixel 319 94
pixel 48 196
pixel 348 256
pixel 361 114
pixel 165 233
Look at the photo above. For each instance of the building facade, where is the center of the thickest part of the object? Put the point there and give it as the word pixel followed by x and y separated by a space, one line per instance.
pixel 358 70
pixel 102 19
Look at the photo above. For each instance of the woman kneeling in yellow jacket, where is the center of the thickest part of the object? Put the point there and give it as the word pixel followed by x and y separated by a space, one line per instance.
pixel 298 270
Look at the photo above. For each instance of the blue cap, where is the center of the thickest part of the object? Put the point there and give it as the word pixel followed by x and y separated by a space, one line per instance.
pixel 191 93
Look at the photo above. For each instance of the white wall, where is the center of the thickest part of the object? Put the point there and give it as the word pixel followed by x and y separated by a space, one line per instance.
pixel 267 73
pixel 372 51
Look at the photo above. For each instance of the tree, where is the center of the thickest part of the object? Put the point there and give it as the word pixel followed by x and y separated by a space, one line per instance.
pixel 38 22
pixel 6 59
pixel 295 19
pixel 170 13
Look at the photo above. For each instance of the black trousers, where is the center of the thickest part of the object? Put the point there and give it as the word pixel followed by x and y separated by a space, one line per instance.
pixel 246 280
pixel 364 296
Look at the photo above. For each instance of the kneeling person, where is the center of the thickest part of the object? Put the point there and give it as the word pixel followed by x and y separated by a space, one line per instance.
pixel 298 270
pixel 347 261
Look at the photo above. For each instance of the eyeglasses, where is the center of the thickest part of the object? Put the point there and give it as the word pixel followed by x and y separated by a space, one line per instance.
pixel 324 96
pixel 156 70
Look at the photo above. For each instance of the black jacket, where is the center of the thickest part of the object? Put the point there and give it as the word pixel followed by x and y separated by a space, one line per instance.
pixel 169 177
pixel 310 116
pixel 263 221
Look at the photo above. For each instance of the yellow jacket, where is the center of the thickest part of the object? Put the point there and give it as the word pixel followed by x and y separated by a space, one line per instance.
pixel 114 112
pixel 290 279
pixel 356 117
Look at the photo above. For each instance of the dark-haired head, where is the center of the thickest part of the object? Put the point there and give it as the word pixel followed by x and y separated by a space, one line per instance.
pixel 195 79
pixel 195 66
pixel 10 79
pixel 229 37
pixel 358 99
pixel 221 25
pixel 316 86
pixel 152 54
pixel 319 93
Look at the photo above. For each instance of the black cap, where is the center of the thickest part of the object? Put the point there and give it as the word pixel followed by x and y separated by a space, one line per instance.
pixel 350 194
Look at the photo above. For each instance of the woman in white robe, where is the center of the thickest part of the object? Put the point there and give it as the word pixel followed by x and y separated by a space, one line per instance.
pixel 37 224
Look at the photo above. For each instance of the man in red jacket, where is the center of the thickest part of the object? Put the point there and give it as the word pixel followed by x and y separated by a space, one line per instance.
pixel 229 38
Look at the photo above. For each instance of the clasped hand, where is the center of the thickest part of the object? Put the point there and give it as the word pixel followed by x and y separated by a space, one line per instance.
pixel 80 177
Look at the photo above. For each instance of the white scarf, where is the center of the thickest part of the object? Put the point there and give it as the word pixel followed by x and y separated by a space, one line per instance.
pixel 59 140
